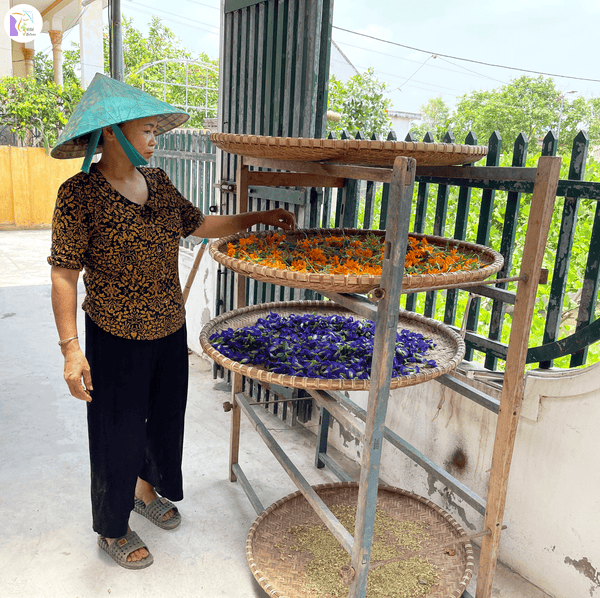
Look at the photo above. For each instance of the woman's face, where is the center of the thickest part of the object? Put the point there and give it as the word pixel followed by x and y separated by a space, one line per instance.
pixel 141 133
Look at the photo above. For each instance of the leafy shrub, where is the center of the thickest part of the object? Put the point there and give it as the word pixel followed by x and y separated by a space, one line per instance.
pixel 36 112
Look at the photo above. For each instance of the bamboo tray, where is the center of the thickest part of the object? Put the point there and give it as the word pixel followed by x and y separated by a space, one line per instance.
pixel 339 283
pixel 281 571
pixel 448 352
pixel 363 152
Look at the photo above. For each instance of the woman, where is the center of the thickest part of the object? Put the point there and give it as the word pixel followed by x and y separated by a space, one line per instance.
pixel 122 224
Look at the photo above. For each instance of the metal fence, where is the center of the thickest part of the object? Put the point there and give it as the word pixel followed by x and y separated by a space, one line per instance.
pixel 446 209
pixel 189 158
pixel 490 214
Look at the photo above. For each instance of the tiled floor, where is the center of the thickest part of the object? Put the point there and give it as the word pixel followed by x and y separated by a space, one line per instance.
pixel 47 547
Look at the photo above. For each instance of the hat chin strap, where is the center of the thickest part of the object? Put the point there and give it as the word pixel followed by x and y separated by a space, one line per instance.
pixel 134 156
pixel 91 150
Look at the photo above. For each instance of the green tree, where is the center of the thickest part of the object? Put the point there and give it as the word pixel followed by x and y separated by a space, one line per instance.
pixel 529 105
pixel 526 105
pixel 361 103
pixel 436 119
pixel 44 71
pixel 36 112
pixel 162 44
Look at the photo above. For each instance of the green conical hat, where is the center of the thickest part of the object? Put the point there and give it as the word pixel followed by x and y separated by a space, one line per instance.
pixel 106 103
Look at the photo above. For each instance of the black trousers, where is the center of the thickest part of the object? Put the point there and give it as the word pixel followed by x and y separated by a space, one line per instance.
pixel 135 421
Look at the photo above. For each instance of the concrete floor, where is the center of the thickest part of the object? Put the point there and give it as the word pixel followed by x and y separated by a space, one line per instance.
pixel 47 547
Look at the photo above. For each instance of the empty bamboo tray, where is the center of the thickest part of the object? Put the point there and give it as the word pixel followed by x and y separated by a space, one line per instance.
pixel 447 353
pixel 491 262
pixel 281 571
pixel 362 152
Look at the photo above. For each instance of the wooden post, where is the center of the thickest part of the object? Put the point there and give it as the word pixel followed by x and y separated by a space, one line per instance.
pixel 193 271
pixel 240 301
pixel 540 216
pixel 401 190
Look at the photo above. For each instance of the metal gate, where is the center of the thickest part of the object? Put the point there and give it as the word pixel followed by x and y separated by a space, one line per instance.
pixel 274 72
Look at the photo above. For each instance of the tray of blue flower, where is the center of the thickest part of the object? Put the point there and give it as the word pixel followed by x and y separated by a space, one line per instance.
pixel 321 345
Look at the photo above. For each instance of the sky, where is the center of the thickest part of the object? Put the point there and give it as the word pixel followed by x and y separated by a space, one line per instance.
pixel 430 48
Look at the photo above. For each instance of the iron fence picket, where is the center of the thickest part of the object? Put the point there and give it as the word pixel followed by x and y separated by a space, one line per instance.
pixel 439 227
pixel 460 232
pixel 511 214
pixel 385 193
pixel 564 248
pixel 370 191
pixel 589 289
pixel 349 205
pixel 486 213
pixel 420 210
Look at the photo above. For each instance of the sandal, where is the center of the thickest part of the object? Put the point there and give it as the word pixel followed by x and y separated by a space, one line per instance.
pixel 121 548
pixel 155 511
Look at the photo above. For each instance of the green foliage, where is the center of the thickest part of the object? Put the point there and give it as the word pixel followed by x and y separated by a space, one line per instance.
pixel 44 72
pixel 577 265
pixel 436 119
pixel 576 270
pixel 162 44
pixel 36 112
pixel 526 105
pixel 361 104
pixel 529 105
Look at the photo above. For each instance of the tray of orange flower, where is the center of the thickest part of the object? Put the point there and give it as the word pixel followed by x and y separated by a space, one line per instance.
pixel 350 260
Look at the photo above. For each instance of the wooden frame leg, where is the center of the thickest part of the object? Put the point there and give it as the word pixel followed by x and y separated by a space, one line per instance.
pixel 540 217
pixel 234 437
pixel 401 191
pixel 240 301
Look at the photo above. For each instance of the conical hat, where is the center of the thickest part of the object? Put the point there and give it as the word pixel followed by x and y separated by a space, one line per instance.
pixel 108 102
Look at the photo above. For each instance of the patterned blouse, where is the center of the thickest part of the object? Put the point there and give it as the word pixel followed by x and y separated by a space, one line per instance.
pixel 129 252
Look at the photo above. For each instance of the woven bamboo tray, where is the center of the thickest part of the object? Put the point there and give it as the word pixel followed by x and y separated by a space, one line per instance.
pixel 363 152
pixel 281 571
pixel 339 283
pixel 448 352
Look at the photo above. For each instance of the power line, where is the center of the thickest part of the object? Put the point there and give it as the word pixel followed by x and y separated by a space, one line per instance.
pixel 413 81
pixel 441 68
pixel 420 67
pixel 464 68
pixel 188 23
pixel 500 66
pixel 206 5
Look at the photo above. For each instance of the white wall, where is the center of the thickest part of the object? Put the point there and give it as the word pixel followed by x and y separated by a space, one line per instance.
pixel 200 305
pixel 401 126
pixel 91 44
pixel 18 60
pixel 553 501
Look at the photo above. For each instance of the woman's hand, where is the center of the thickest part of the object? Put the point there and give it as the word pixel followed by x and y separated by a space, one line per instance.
pixel 64 305
pixel 279 217
pixel 214 227
pixel 77 369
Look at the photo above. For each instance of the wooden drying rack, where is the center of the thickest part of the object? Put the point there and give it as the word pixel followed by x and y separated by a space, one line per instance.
pixel 385 313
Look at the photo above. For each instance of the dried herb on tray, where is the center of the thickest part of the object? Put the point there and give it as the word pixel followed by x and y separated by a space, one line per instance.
pixel 406 578
pixel 313 346
pixel 347 254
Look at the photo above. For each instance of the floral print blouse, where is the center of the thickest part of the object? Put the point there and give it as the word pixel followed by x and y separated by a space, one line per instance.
pixel 129 252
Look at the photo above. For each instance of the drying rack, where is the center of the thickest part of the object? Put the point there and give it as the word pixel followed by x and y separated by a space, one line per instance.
pixel 369 424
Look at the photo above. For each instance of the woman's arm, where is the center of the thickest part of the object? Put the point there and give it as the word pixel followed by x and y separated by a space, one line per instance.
pixel 214 227
pixel 64 305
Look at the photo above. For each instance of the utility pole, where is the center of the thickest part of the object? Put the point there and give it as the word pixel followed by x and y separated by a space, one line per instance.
pixel 117 66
